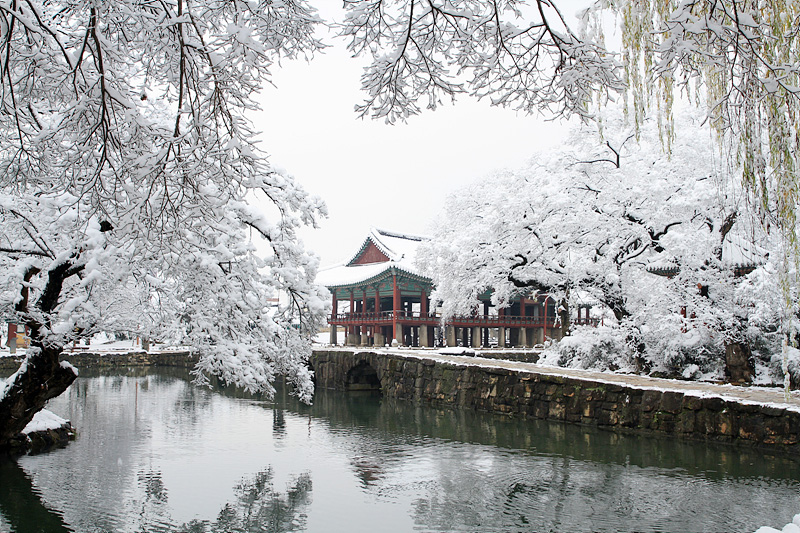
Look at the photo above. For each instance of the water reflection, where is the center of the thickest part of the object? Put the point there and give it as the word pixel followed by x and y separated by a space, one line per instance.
pixel 21 504
pixel 179 458
pixel 259 508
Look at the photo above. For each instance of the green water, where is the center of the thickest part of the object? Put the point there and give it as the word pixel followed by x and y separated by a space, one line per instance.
pixel 156 454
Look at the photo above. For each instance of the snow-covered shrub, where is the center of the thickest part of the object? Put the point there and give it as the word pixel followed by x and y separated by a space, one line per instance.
pixel 691 354
pixel 601 348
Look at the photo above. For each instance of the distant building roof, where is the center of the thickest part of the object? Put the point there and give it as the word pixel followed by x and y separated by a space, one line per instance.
pixel 381 251
pixel 739 254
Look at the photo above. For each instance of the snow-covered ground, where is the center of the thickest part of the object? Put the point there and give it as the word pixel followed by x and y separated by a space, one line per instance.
pixel 102 345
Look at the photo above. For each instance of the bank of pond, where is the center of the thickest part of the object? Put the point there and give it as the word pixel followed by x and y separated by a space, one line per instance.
pixel 155 453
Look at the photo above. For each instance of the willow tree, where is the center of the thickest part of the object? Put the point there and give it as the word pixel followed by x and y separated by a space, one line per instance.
pixel 743 59
pixel 740 59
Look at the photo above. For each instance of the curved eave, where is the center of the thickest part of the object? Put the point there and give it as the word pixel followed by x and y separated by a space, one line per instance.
pixel 389 271
pixel 739 269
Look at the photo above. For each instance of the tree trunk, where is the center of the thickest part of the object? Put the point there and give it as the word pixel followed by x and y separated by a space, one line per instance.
pixel 563 312
pixel 738 363
pixel 40 377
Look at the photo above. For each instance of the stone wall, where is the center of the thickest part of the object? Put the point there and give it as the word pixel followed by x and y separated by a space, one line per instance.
pixel 182 359
pixel 553 397
pixel 94 360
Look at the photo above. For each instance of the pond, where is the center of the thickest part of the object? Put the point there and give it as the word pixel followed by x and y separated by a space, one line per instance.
pixel 156 454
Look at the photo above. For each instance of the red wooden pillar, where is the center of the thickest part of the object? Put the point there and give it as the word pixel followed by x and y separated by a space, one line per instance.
pixel 334 304
pixel 522 306
pixel 377 300
pixel 12 335
pixel 364 328
pixel 395 306
pixel 544 313
pixel 423 304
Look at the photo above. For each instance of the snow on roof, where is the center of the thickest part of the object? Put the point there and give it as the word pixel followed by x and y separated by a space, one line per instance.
pixel 400 248
pixel 396 246
pixel 737 252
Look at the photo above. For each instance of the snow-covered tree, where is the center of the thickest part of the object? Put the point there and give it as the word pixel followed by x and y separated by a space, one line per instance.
pixel 738 59
pixel 129 166
pixel 652 239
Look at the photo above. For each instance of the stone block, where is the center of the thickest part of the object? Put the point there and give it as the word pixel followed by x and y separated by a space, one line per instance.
pixel 665 422
pixel 725 424
pixel 650 400
pixel 590 395
pixel 686 422
pixel 556 411
pixel 713 404
pixel 751 428
pixel 773 411
pixel 607 417
pixel 672 402
pixel 693 403
pixel 629 416
pixel 541 409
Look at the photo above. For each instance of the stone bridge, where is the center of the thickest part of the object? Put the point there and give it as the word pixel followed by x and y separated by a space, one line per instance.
pixel 749 416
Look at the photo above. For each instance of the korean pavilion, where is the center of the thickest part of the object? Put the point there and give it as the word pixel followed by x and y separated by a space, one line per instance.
pixel 380 298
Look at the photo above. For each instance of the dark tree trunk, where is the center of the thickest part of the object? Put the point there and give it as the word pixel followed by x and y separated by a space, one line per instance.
pixel 563 313
pixel 40 378
pixel 739 366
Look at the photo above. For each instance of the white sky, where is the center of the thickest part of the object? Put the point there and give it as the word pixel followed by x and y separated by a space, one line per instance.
pixel 373 174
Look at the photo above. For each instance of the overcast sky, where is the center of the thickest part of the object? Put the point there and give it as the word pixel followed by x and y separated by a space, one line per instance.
pixel 375 175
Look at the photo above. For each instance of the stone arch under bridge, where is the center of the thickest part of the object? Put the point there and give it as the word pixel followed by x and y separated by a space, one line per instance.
pixel 347 370
pixel 362 377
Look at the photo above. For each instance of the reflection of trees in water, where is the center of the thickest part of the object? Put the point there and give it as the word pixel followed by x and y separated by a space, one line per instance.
pixel 532 493
pixel 533 475
pixel 21 506
pixel 258 507
pixel 368 469
pixel 278 423
pixel 371 420
pixel 154 506
pixel 483 472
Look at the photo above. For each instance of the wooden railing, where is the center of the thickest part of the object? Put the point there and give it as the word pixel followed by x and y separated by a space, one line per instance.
pixel 489 321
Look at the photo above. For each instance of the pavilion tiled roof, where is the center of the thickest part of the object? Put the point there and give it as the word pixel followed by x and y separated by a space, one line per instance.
pixel 738 254
pixel 400 248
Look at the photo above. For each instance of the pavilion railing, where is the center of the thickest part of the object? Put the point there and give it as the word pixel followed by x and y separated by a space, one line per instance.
pixel 387 317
